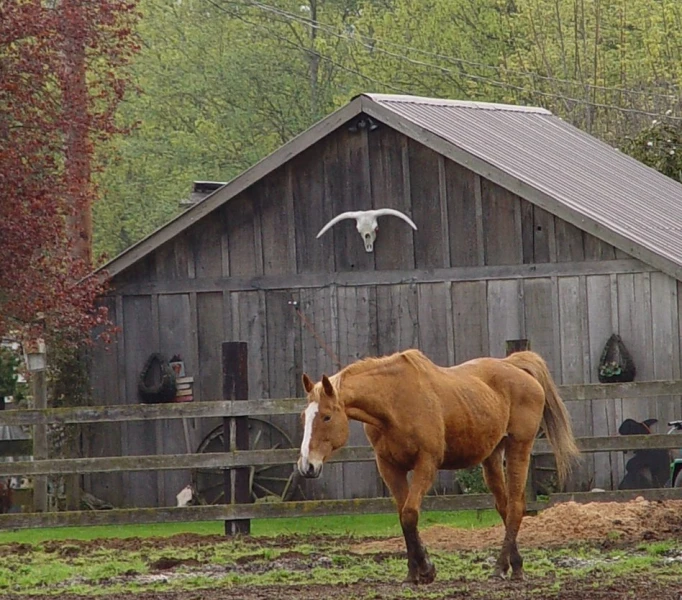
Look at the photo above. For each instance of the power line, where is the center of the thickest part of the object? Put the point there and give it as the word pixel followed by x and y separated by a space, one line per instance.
pixel 478 78
pixel 371 44
pixel 308 50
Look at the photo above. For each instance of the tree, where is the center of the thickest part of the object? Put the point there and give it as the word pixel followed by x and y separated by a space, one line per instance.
pixel 659 146
pixel 61 77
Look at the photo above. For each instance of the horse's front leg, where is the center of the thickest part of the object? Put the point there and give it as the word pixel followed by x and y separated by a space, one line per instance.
pixel 420 567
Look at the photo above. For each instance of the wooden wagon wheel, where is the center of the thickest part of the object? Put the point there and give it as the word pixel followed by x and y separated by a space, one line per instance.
pixel 274 482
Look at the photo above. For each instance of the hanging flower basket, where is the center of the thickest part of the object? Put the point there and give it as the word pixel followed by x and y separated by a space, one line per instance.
pixel 157 380
pixel 616 364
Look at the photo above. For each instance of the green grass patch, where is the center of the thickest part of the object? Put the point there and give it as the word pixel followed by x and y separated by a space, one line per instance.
pixel 355 525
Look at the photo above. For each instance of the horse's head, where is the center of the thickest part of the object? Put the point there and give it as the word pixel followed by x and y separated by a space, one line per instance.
pixel 325 426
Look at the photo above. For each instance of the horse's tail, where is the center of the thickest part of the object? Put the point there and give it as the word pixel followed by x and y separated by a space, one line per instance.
pixel 555 418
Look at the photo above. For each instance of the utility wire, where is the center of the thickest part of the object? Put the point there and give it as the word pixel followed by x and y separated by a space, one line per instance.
pixel 374 44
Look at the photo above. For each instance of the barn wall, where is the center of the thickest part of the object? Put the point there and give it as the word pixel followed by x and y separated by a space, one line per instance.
pixel 484 267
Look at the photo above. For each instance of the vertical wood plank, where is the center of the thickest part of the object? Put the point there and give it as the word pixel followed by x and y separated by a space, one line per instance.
pixel 319 354
pixel 396 250
pixel 435 337
pixel 634 302
pixel 426 210
pixel 176 335
pixel 249 325
pixel 600 329
pixel 544 237
pixel 347 179
pixel 397 318
pixel 275 202
pixel 569 242
pixel 540 327
pixel 501 225
pixel 104 439
pixel 504 315
pixel 244 237
pixel 470 320
pixel 573 341
pixel 206 240
pixel 444 209
pixel 461 185
pixel 527 231
pixel 312 176
pixel 358 339
pixel 596 249
pixel 140 436
pixel 480 228
pixel 284 359
pixel 211 334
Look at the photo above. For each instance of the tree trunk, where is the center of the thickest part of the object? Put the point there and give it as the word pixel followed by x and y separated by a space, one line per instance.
pixel 76 129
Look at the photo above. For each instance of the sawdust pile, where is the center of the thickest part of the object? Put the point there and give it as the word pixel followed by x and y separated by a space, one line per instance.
pixel 556 526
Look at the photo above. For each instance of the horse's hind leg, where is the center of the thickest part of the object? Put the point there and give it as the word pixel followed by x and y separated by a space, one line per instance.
pixel 518 459
pixel 420 567
pixel 493 474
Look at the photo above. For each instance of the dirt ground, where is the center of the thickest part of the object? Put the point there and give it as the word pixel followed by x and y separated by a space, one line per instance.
pixel 568 522
pixel 603 526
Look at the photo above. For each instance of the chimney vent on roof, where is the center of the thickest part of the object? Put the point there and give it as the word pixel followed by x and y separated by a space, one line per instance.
pixel 200 189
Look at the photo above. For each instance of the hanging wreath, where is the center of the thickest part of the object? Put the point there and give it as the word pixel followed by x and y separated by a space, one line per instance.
pixel 157 380
pixel 616 364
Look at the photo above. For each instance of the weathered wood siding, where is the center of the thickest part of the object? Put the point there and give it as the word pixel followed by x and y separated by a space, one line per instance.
pixel 485 266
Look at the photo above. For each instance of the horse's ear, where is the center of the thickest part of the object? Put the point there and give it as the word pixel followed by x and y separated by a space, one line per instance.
pixel 327 386
pixel 308 385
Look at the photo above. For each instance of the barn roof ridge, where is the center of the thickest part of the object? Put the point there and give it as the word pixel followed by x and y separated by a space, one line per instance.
pixel 527 150
pixel 423 100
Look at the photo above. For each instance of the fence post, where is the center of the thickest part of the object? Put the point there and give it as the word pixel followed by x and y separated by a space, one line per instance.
pixel 40 450
pixel 236 430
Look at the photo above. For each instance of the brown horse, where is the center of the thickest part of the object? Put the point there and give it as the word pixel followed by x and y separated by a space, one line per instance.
pixel 420 417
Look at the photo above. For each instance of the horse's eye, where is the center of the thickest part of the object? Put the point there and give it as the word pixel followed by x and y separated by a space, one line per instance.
pixel 327 418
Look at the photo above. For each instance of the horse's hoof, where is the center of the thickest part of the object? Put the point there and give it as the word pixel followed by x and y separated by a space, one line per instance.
pixel 517 575
pixel 427 574
pixel 498 574
pixel 423 575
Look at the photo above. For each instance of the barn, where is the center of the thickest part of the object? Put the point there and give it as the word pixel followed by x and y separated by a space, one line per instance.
pixel 527 229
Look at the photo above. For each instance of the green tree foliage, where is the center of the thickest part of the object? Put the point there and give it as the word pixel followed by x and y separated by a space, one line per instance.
pixel 658 146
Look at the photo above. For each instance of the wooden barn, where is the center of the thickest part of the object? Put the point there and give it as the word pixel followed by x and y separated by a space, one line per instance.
pixel 527 228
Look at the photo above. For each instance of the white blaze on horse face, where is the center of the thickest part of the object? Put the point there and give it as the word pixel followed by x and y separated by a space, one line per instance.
pixel 310 412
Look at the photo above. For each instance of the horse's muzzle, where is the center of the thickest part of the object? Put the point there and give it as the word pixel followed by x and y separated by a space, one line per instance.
pixel 309 470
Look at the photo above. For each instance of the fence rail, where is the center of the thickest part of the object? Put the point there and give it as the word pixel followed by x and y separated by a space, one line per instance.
pixel 249 458
pixel 238 459
pixel 309 508
pixel 286 406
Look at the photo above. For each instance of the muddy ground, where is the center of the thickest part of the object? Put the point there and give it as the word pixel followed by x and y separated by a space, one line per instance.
pixel 569 538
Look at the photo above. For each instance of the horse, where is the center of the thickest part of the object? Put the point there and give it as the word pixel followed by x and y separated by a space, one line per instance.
pixel 420 417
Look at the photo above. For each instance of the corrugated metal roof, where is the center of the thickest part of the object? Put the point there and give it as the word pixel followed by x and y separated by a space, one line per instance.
pixel 526 149
pixel 587 176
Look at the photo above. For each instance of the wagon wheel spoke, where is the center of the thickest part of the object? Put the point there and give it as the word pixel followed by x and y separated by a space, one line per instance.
pixel 267 468
pixel 263 488
pixel 213 487
pixel 254 444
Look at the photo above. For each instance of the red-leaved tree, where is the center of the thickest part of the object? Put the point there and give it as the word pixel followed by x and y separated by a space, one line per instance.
pixel 62 75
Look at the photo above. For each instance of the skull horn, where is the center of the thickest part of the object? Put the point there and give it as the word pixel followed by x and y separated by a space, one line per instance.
pixel 366 221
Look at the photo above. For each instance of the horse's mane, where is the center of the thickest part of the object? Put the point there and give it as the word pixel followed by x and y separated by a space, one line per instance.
pixel 414 357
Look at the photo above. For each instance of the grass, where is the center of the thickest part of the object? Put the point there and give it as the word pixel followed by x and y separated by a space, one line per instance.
pixel 350 525
pixel 235 563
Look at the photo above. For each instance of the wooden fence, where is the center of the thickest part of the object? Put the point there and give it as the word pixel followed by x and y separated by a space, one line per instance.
pixel 236 459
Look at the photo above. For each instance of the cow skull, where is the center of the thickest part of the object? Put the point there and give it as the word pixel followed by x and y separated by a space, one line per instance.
pixel 367 225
